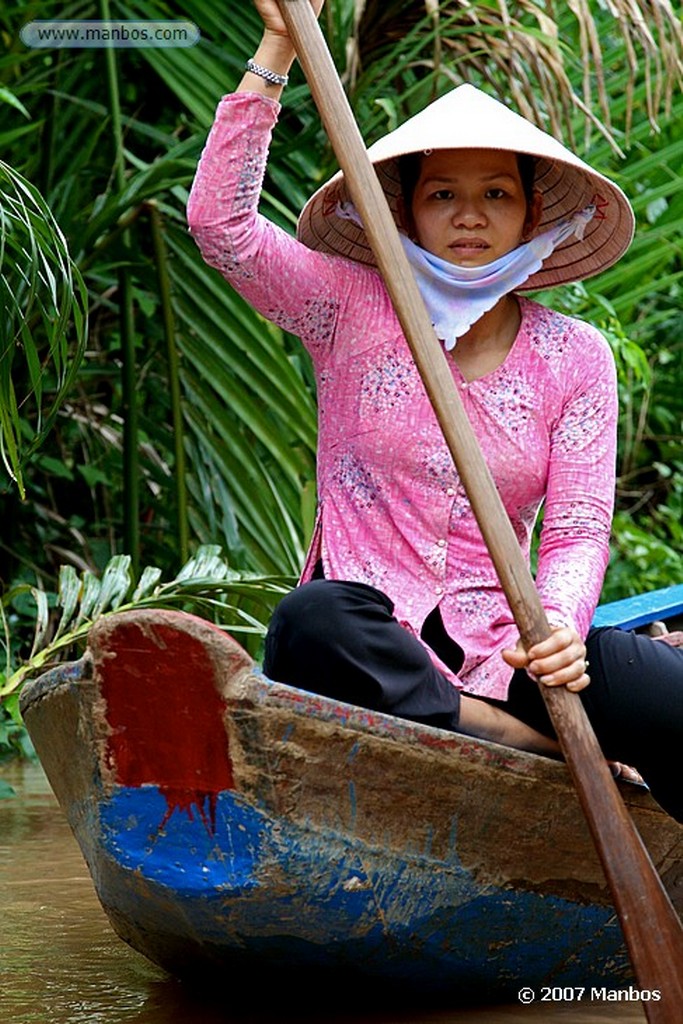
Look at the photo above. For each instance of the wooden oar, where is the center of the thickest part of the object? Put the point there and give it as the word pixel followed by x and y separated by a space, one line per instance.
pixel 651 927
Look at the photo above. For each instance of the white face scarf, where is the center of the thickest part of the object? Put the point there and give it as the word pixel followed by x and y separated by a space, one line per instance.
pixel 455 296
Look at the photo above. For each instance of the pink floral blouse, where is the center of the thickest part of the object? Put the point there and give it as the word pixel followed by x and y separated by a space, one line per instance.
pixel 392 510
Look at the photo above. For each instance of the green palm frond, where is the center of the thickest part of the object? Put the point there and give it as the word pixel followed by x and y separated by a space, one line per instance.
pixel 249 413
pixel 43 319
pixel 206 585
pixel 602 62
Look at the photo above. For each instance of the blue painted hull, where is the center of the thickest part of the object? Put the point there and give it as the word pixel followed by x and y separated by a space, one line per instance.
pixel 337 839
pixel 293 897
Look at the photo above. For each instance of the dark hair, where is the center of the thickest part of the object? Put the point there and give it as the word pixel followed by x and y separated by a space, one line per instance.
pixel 410 164
pixel 527 172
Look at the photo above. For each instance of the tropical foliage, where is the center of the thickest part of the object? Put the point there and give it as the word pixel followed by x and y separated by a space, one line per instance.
pixel 205 584
pixel 188 421
pixel 41 295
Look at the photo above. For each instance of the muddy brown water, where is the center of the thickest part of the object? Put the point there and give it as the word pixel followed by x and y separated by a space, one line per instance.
pixel 61 963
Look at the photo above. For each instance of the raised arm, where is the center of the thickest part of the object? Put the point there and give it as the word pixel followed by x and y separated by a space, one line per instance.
pixel 275 53
pixel 280 277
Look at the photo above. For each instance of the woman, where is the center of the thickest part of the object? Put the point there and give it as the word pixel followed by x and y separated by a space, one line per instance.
pixel 399 608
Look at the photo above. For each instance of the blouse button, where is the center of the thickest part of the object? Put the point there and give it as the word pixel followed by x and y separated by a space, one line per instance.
pixel 438 590
pixel 441 543
pixel 450 492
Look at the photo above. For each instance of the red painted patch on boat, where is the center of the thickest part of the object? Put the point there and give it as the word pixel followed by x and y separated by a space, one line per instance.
pixel 165 717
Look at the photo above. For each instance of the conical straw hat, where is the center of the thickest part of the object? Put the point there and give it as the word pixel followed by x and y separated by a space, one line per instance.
pixel 467 118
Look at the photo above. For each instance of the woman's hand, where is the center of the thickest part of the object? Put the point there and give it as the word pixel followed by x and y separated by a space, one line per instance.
pixel 272 18
pixel 559 660
pixel 275 51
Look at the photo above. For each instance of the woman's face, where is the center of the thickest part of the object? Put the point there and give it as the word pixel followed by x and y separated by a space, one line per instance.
pixel 469 205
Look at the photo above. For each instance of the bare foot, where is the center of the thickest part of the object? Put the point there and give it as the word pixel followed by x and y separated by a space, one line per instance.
pixel 626 773
pixel 675 639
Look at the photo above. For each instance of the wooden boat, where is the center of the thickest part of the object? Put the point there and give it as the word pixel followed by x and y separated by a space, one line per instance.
pixel 229 821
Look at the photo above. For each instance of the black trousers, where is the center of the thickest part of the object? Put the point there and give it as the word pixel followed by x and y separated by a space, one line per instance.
pixel 341 639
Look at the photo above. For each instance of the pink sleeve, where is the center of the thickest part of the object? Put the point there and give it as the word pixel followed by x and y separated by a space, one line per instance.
pixel 574 548
pixel 291 285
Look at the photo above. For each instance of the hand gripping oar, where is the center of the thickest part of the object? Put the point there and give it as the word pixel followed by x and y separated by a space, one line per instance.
pixel 650 925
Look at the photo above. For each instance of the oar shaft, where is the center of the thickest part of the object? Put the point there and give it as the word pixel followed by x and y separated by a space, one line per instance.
pixel 651 927
pixel 429 356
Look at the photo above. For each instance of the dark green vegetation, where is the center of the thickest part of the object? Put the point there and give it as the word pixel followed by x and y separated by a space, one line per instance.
pixel 180 418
